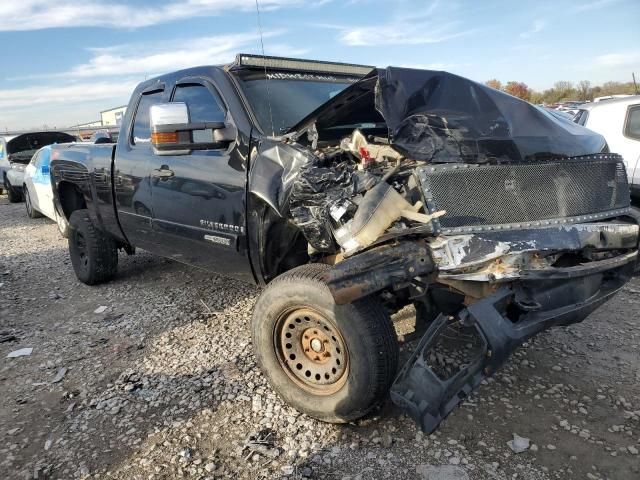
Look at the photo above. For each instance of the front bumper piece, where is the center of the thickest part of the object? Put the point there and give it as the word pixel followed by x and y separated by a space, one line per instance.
pixel 543 298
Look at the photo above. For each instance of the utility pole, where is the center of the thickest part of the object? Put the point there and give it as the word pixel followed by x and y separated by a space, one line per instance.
pixel 635 85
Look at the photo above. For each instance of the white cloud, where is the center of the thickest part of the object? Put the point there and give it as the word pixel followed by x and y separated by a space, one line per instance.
pixel 60 105
pixel 398 33
pixel 537 27
pixel 619 59
pixel 151 59
pixel 424 25
pixel 115 71
pixel 28 97
pixel 594 5
pixel 172 55
pixel 39 14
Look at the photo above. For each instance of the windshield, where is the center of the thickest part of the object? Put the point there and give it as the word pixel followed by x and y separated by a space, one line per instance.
pixel 291 96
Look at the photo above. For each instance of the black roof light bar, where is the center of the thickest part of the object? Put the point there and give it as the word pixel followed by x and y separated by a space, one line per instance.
pixel 282 63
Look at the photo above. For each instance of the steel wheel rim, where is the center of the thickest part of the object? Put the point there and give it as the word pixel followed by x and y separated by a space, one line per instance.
pixel 311 351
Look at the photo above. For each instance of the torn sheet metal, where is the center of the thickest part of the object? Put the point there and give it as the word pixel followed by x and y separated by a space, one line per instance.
pixel 274 168
pixel 501 256
pixel 313 191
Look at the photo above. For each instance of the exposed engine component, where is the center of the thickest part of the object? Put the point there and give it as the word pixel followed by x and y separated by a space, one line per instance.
pixel 349 196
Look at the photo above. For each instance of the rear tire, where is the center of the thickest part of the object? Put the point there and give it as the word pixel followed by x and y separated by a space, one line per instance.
pixel 31 211
pixel 333 362
pixel 94 255
pixel 14 195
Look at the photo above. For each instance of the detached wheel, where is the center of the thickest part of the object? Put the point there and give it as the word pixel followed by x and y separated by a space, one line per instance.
pixel 31 212
pixel 333 362
pixel 94 255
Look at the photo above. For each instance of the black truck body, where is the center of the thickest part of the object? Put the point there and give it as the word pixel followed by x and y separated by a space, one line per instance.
pixel 413 186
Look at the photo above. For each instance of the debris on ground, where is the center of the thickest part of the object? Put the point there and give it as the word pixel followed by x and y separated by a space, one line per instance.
pixel 518 444
pixel 23 352
pixel 60 375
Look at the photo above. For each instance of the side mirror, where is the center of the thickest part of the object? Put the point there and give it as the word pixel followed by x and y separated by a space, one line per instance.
pixel 173 134
pixel 45 169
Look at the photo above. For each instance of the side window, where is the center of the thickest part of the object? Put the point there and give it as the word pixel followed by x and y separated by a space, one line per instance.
pixel 141 128
pixel 632 125
pixel 202 104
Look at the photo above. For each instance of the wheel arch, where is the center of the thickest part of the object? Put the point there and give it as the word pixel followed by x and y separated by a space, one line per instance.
pixel 281 245
pixel 69 198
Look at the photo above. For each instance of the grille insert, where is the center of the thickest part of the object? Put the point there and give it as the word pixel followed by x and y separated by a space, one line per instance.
pixel 481 197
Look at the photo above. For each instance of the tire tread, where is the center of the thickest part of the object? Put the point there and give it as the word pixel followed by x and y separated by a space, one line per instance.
pixel 103 263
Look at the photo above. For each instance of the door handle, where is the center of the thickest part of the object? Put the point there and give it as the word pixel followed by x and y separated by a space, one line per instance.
pixel 162 172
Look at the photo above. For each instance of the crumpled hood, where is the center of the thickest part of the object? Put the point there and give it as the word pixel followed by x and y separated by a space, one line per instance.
pixel 440 117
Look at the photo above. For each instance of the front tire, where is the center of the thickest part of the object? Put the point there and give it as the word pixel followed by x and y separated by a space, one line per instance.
pixel 333 362
pixel 94 255
pixel 31 211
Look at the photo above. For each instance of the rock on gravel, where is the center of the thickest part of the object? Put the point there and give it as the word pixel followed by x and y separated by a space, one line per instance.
pixel 518 444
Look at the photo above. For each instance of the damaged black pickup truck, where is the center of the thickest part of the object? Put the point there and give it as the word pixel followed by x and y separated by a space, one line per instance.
pixel 350 193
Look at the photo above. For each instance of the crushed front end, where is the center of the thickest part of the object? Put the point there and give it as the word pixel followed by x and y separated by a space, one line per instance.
pixel 495 219
pixel 577 246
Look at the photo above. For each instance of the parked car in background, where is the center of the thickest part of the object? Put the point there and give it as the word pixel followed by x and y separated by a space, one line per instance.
pixel 618 121
pixel 103 136
pixel 37 190
pixel 559 114
pixel 4 162
pixel 16 154
pixel 611 97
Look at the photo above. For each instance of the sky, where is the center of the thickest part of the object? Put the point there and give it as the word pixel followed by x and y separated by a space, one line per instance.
pixel 66 60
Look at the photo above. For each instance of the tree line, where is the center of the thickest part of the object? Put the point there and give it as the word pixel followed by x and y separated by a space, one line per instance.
pixel 563 90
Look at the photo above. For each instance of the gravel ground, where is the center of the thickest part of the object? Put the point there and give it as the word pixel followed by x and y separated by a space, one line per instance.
pixel 152 376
